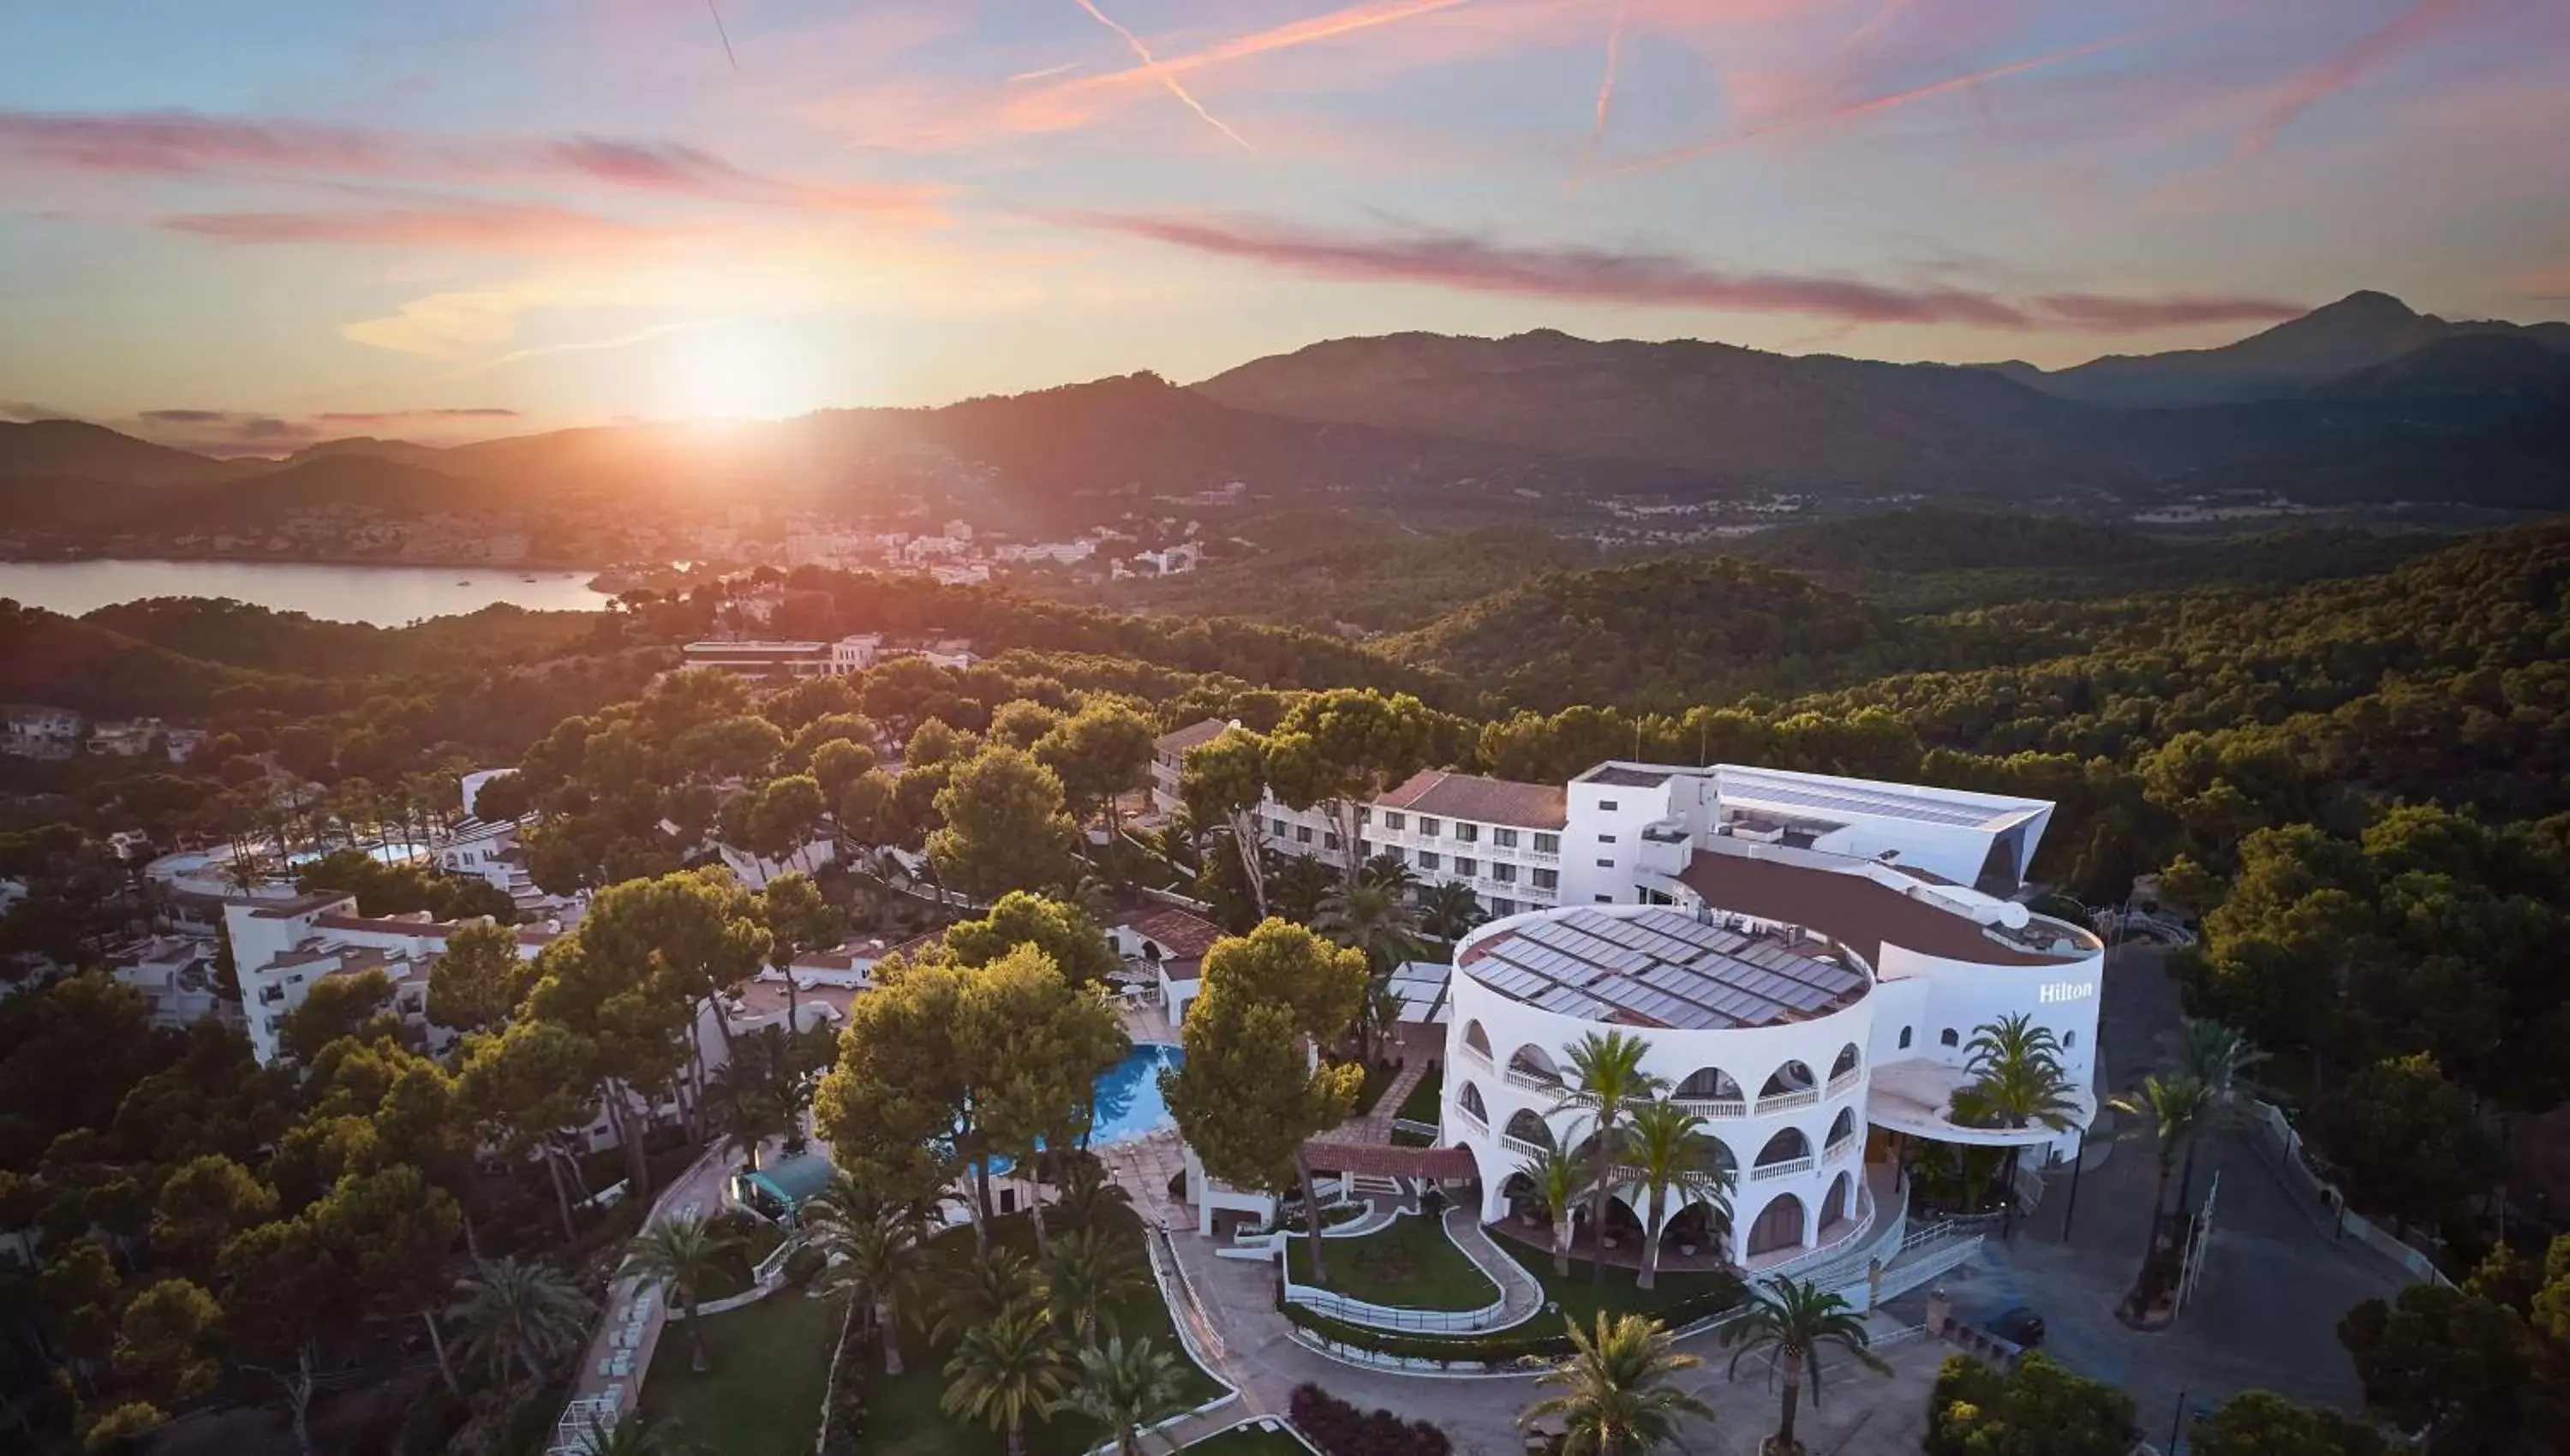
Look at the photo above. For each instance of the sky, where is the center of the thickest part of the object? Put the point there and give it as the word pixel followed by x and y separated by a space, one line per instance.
pixel 246 227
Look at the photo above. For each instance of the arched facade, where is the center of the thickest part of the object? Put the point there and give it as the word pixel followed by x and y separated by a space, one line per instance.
pixel 1717 1074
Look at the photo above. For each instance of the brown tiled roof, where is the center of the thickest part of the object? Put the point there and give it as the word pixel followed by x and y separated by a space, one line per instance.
pixel 1850 908
pixel 1179 740
pixel 1382 1160
pixel 1186 936
pixel 1485 801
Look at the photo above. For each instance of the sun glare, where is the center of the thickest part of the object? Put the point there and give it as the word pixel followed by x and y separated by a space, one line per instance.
pixel 723 375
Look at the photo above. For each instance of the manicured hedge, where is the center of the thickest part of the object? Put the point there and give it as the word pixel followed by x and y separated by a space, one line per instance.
pixel 1542 1339
pixel 1340 1429
pixel 843 1415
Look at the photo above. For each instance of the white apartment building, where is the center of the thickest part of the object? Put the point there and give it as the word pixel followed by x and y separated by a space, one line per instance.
pixel 1808 957
pixel 1500 839
pixel 282 948
pixel 175 974
pixel 795 659
pixel 30 730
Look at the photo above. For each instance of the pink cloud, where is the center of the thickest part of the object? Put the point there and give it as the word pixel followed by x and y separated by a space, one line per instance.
pixel 2169 311
pixel 2420 23
pixel 475 227
pixel 178 143
pixel 1600 276
pixel 1868 106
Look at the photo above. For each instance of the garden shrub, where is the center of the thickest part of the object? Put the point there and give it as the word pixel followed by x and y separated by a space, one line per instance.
pixel 843 1414
pixel 1340 1429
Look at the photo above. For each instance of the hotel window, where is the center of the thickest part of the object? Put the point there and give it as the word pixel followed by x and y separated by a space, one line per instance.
pixel 1606 805
pixel 1548 844
pixel 1365 814
pixel 1905 1038
pixel 1280 827
pixel 1467 831
pixel 1947 1037
pixel 1302 834
pixel 1505 874
pixel 1605 863
pixel 1466 868
pixel 1505 839
pixel 1547 880
pixel 1427 826
pixel 1426 858
pixel 1328 841
pixel 2069 1039
pixel 1606 900
pixel 1605 839
pixel 1365 848
pixel 1504 908
pixel 1392 821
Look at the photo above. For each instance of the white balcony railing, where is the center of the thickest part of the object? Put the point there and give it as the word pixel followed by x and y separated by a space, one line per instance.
pixel 1472 1120
pixel 1845 1080
pixel 1478 1057
pixel 1786 1169
pixel 1524 1146
pixel 1713 1105
pixel 1533 1081
pixel 1788 1101
pixel 1838 1152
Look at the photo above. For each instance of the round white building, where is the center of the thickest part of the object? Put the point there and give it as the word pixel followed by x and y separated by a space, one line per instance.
pixel 1795 1006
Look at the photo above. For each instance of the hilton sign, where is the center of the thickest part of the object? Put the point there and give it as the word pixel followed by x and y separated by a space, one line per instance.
pixel 2066 990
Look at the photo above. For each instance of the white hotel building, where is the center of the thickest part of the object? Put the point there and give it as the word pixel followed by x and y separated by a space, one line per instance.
pixel 1804 955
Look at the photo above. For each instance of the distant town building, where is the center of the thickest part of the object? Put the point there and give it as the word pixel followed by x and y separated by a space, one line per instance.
pixel 29 730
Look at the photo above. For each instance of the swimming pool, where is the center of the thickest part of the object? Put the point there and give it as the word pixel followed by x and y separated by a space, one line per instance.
pixel 1130 1104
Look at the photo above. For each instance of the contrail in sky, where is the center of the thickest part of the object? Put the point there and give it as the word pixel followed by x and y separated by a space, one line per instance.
pixel 1167 78
pixel 1605 90
pixel 726 36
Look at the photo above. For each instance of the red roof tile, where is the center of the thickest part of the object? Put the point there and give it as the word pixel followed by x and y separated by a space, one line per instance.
pixel 1483 800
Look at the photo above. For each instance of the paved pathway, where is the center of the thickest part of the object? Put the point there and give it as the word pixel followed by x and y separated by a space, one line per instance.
pixel 1521 1295
pixel 2275 1282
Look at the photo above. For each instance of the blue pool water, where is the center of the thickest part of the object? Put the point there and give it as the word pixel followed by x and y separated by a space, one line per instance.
pixel 1130 1104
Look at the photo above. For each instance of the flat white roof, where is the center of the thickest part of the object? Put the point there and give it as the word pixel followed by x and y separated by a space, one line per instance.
pixel 1829 795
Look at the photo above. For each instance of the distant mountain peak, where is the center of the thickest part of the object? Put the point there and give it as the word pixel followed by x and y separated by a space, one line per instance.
pixel 2368 301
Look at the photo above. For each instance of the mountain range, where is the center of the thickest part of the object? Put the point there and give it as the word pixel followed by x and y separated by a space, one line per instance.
pixel 2362 399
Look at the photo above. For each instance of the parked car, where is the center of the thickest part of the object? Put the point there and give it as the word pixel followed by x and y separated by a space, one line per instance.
pixel 2020 1326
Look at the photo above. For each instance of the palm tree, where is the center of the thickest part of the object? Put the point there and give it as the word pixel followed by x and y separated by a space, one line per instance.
pixel 1389 870
pixel 1606 1076
pixel 2169 1108
pixel 1618 1397
pixel 1005 1369
pixel 2011 1040
pixel 1085 1192
pixel 1558 1180
pixel 1372 918
pixel 522 1312
pixel 870 1251
pixel 2216 1055
pixel 679 1252
pixel 1125 1388
pixel 1672 1165
pixel 1794 1320
pixel 974 1291
pixel 2020 1083
pixel 1449 911
pixel 1301 885
pixel 1089 1273
pixel 744 1113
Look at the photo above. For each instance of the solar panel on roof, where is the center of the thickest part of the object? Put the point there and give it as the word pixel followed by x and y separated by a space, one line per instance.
pixel 1846 801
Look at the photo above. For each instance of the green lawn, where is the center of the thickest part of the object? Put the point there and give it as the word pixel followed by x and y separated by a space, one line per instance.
pixel 902 1416
pixel 771 1365
pixel 1251 1441
pixel 1410 1265
pixel 1579 1298
pixel 1421 1104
